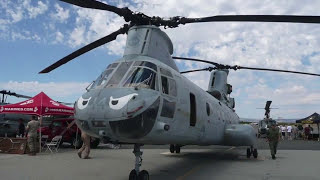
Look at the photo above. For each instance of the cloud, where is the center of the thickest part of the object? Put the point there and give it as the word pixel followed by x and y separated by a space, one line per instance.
pixel 287 46
pixel 59 37
pixel 34 11
pixel 60 14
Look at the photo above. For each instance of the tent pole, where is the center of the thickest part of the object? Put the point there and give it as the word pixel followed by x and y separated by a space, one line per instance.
pixel 318 132
pixel 40 147
pixel 76 137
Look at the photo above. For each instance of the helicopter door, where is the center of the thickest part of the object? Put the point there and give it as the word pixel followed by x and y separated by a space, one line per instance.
pixel 169 91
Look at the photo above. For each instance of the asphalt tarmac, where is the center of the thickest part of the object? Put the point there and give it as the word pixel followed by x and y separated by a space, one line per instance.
pixel 296 160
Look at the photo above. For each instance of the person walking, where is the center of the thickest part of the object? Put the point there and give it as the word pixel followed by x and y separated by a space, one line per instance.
pixel 32 128
pixel 283 132
pixel 273 137
pixel 84 151
pixel 289 132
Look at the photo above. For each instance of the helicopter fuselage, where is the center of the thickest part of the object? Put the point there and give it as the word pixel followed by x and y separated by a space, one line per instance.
pixel 142 98
pixel 153 104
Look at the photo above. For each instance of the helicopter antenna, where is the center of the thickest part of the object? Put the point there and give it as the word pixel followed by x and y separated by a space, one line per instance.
pixel 138 18
pixel 235 67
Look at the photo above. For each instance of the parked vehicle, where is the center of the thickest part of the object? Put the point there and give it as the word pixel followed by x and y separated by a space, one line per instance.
pixel 69 134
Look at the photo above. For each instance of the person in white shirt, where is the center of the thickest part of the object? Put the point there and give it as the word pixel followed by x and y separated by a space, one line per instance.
pixel 289 132
pixel 283 132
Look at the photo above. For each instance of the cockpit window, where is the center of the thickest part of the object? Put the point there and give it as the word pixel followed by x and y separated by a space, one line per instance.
pixel 118 75
pixel 102 79
pixel 147 64
pixel 165 72
pixel 141 77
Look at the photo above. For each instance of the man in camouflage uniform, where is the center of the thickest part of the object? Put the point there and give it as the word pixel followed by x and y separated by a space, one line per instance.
pixel 84 151
pixel 32 128
pixel 273 137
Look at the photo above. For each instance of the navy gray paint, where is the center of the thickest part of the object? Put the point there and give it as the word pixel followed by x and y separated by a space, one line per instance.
pixel 137 118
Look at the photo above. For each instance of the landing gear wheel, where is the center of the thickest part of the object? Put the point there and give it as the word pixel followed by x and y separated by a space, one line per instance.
pixel 255 153
pixel 248 152
pixel 177 149
pixel 172 148
pixel 133 175
pixel 143 175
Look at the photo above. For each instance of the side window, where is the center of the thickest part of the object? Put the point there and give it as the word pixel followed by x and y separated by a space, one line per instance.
pixel 168 109
pixel 193 110
pixel 168 84
pixel 172 87
pixel 165 85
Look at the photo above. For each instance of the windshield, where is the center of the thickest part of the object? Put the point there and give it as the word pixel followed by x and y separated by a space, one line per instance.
pixel 118 74
pixel 102 79
pixel 141 77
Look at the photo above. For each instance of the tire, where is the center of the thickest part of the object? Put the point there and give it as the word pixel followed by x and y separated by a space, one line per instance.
pixel 248 152
pixel 177 149
pixel 94 144
pixel 143 175
pixel 133 175
pixel 172 148
pixel 76 142
pixel 255 153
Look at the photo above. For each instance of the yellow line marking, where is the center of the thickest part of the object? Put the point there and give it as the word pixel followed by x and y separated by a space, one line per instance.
pixel 166 153
pixel 188 173
pixel 230 148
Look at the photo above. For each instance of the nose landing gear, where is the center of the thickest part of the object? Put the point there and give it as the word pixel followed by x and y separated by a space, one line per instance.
pixel 136 174
pixel 252 151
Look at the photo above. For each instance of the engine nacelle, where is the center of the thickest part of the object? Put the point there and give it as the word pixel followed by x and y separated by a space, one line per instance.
pixel 240 135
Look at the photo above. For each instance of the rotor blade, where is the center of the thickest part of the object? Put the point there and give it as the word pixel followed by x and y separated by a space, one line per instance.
pixel 254 18
pixel 276 70
pixel 196 70
pixel 268 103
pixel 9 93
pixel 198 60
pixel 86 48
pixel 236 67
pixel 21 96
pixel 65 103
pixel 95 5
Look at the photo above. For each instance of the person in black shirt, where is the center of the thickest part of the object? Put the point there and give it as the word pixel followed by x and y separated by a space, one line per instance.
pixel 21 129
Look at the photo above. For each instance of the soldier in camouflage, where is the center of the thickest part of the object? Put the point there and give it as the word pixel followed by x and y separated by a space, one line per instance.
pixel 32 128
pixel 84 151
pixel 273 137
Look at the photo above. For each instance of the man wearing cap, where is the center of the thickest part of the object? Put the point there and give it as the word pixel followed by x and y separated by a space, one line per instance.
pixel 32 128
pixel 273 137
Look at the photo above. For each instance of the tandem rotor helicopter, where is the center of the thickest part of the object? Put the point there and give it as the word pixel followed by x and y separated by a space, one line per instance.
pixel 263 125
pixel 142 98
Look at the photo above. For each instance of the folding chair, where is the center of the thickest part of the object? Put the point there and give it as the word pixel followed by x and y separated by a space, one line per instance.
pixel 44 141
pixel 54 144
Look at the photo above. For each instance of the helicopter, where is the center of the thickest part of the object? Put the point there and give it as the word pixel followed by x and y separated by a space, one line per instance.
pixel 3 101
pixel 142 98
pixel 263 125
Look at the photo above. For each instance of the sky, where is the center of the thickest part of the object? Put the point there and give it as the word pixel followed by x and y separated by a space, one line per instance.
pixel 34 34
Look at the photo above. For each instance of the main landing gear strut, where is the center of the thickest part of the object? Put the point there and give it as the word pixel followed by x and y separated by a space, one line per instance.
pixel 135 173
pixel 175 148
pixel 252 151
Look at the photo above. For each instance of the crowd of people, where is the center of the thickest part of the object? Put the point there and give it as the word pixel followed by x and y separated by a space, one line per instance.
pixel 289 132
